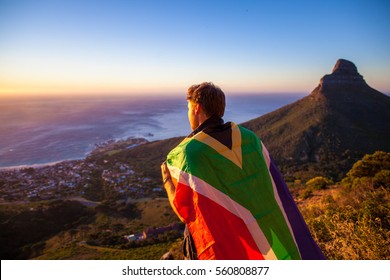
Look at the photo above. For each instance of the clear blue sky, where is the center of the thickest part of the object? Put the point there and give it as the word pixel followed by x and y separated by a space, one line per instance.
pixel 96 46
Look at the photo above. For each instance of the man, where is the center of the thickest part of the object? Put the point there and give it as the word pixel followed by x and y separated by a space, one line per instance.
pixel 223 185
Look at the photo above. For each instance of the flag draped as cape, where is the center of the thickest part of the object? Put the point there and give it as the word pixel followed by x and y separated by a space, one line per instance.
pixel 233 199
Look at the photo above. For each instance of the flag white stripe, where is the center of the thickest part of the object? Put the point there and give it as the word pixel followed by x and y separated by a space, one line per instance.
pixel 205 189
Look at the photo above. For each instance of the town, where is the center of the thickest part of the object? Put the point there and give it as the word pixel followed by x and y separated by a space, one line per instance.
pixel 98 202
pixel 74 178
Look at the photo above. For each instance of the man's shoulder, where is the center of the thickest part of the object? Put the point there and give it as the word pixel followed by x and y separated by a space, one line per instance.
pixel 195 143
pixel 188 146
pixel 245 132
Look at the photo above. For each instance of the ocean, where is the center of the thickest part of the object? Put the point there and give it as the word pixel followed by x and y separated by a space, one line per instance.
pixel 39 130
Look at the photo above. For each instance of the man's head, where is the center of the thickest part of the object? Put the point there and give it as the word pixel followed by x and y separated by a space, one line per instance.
pixel 204 101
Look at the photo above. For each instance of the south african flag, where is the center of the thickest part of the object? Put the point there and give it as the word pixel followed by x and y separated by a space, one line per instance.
pixel 234 200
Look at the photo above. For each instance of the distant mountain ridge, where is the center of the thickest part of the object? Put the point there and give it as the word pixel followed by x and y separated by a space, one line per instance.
pixel 324 133
pixel 342 119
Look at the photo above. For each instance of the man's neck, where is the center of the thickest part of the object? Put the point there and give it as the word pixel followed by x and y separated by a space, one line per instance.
pixel 211 121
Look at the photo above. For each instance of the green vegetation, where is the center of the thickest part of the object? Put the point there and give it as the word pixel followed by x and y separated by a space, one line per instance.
pixel 94 190
pixel 69 230
pixel 152 153
pixel 75 250
pixel 24 229
pixel 325 133
pixel 318 183
pixel 372 169
pixel 352 220
pixel 349 220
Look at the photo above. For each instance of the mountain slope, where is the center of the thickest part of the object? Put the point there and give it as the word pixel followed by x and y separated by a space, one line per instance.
pixel 146 159
pixel 324 133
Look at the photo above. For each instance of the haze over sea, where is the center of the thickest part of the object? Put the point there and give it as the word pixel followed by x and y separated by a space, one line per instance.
pixel 38 130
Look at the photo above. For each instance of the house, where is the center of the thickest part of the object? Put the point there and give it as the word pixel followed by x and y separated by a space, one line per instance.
pixel 154 232
pixel 134 237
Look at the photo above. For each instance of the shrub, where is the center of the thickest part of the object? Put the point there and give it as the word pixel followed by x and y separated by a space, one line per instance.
pixel 369 166
pixel 306 194
pixel 319 183
pixel 346 234
pixel 354 223
pixel 382 178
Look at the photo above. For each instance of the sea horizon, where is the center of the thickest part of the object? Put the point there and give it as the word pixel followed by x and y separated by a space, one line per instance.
pixel 38 131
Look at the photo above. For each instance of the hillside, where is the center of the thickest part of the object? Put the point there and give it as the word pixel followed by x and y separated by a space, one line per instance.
pixel 116 191
pixel 325 132
pixel 349 220
pixel 322 134
pixel 146 159
pixel 64 229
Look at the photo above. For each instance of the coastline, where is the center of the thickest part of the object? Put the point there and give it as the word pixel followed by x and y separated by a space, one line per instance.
pixel 36 165
pixel 96 123
pixel 107 145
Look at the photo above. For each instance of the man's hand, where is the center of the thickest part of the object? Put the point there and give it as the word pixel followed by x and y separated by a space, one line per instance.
pixel 169 186
pixel 166 175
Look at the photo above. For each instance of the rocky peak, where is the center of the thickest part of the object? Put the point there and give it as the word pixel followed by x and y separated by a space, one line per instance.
pixel 344 75
pixel 345 67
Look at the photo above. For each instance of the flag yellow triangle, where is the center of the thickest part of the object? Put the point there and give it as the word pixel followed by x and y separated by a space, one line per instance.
pixel 234 154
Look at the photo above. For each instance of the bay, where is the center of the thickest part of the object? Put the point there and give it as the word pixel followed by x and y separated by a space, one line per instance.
pixel 39 130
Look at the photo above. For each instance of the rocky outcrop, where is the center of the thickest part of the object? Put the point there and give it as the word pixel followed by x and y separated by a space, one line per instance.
pixel 344 75
pixel 325 132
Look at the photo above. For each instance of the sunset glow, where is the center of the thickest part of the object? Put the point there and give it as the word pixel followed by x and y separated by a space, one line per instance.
pixel 129 47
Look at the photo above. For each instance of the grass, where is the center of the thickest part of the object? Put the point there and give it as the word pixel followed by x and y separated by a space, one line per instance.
pixel 152 213
pixel 350 225
pixel 80 251
pixel 113 152
pixel 349 220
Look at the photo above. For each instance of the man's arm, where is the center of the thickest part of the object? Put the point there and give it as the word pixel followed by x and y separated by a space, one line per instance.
pixel 168 185
pixel 167 181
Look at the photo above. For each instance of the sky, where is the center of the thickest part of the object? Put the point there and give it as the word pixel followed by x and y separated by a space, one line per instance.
pixel 144 46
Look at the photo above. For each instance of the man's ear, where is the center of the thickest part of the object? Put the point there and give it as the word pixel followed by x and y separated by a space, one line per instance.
pixel 198 108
